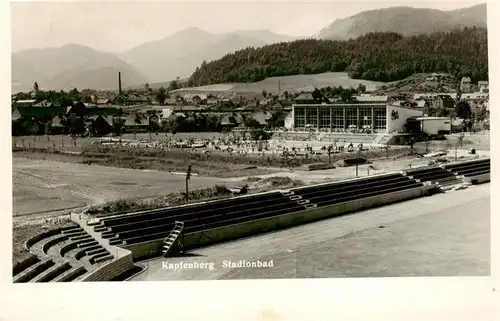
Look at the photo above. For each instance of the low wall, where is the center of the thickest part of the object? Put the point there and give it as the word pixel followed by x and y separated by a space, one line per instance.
pixel 478 179
pixel 144 250
pixel 111 270
pixel 237 231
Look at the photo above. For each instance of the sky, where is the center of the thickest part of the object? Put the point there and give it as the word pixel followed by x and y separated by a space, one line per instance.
pixel 118 26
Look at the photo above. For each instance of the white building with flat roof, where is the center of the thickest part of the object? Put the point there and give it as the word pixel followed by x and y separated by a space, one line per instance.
pixel 380 117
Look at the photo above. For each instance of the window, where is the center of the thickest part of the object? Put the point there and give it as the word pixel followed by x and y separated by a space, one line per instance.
pixel 380 118
pixel 312 116
pixel 324 117
pixel 351 117
pixel 299 117
pixel 338 118
pixel 365 116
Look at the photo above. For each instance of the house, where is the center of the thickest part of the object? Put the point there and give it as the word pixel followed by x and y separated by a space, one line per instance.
pixel 43 103
pixel 411 103
pixel 39 114
pixel 420 96
pixel 262 117
pixel 58 121
pixel 483 86
pixel 25 103
pixel 231 120
pixel 476 100
pixel 226 103
pixel 99 125
pixel 103 101
pixel 306 98
pixel 370 99
pixel 136 122
pixel 465 85
pixel 79 110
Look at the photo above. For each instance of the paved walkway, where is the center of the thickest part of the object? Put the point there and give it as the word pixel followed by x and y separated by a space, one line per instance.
pixel 441 235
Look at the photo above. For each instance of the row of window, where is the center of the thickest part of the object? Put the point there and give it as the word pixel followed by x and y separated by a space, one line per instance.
pixel 325 117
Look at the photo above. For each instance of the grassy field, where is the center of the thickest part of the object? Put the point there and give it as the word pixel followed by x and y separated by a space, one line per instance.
pixel 288 83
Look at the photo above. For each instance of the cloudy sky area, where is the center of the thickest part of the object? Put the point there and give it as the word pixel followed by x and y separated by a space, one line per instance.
pixel 115 26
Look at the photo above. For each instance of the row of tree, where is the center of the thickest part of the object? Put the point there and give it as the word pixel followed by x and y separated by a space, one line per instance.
pixel 378 56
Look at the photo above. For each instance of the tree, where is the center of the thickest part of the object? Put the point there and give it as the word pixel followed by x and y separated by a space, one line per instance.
pixel 361 88
pixel 161 95
pixel 264 93
pixel 174 84
pixel 463 110
pixel 118 125
pixel 146 87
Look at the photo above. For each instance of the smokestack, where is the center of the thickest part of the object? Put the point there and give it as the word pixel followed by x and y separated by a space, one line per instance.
pixel 119 82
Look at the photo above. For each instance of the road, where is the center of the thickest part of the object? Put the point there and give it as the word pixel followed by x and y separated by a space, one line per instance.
pixel 441 235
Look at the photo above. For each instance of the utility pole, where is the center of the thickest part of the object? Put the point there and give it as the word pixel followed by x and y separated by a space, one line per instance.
pixel 358 160
pixel 188 176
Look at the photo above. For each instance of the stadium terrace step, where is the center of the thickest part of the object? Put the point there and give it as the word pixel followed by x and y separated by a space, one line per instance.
pixel 103 258
pixel 84 237
pixel 93 248
pixel 52 272
pixel 117 242
pixel 33 271
pixel 53 240
pixel 100 228
pixel 68 247
pixel 108 234
pixel 74 233
pixel 310 205
pixel 98 250
pixel 303 202
pixel 295 197
pixel 70 274
pixel 175 212
pixel 93 259
pixel 86 244
pixel 71 229
pixel 25 264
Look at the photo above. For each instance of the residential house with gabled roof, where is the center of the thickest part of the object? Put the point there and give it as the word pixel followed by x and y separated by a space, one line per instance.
pixel 225 103
pixel 305 98
pixel 136 122
pixel 99 125
pixel 40 114
pixel 43 103
pixel 231 120
pixel 103 101
pixel 262 117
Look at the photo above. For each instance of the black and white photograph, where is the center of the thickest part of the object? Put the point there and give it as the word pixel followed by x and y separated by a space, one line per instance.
pixel 258 141
pixel 217 144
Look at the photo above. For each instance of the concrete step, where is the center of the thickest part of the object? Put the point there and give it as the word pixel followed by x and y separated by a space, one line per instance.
pixel 70 274
pixel 52 272
pixel 98 250
pixel 103 258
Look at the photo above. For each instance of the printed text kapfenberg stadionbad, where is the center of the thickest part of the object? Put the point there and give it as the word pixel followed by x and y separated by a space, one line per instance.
pixel 226 264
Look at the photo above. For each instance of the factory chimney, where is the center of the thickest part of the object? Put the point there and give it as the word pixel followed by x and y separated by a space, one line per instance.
pixel 119 83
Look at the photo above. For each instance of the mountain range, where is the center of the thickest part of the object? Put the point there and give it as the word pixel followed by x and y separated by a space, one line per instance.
pixel 178 55
pixel 404 20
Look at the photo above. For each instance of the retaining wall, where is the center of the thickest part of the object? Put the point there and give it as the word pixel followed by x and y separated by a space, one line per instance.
pixel 236 231
pixel 478 179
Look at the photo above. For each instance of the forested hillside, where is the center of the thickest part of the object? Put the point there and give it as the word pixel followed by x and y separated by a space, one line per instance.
pixel 375 56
